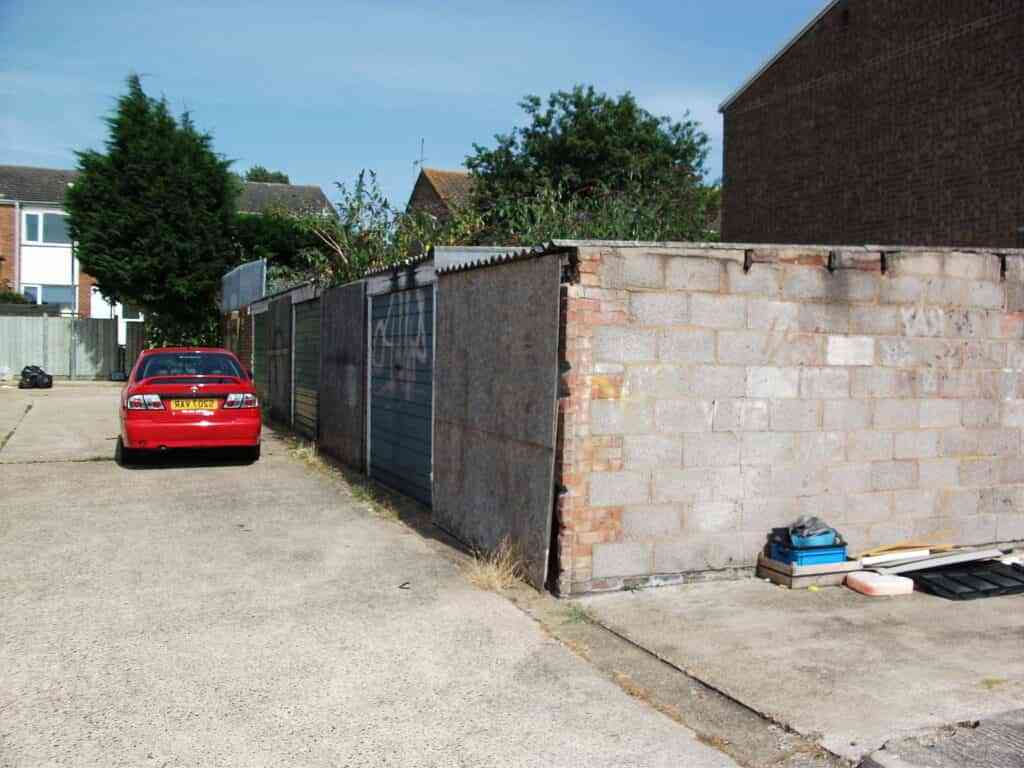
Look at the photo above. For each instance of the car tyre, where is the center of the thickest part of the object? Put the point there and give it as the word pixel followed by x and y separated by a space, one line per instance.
pixel 124 456
pixel 252 455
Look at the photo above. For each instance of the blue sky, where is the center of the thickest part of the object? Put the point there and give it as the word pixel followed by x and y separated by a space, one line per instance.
pixel 323 89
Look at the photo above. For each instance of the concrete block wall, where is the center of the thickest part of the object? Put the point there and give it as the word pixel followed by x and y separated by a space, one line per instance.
pixel 710 393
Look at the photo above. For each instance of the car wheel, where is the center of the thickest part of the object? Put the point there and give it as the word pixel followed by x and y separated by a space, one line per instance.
pixel 124 456
pixel 252 455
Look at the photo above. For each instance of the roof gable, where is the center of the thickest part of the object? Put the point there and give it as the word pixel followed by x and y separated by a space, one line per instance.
pixel 453 187
pixel 778 55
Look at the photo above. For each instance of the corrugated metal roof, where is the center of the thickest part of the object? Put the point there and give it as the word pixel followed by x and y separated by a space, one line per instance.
pixel 493 257
pixel 398 266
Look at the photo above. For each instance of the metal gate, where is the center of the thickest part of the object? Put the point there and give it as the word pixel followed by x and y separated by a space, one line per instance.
pixel 259 353
pixel 306 367
pixel 401 390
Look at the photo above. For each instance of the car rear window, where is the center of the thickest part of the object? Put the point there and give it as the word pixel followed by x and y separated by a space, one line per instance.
pixel 188 364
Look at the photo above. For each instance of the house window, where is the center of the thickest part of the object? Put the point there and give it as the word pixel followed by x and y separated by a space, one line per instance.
pixel 62 296
pixel 31 228
pixel 47 228
pixel 55 229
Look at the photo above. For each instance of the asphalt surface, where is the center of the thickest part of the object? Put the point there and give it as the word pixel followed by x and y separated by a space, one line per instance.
pixel 221 614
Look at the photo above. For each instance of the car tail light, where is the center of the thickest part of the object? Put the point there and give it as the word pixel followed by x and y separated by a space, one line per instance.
pixel 145 403
pixel 241 400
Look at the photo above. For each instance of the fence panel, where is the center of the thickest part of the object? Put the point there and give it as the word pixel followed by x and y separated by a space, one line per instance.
pixel 62 346
pixel 342 402
pixel 135 342
pixel 95 351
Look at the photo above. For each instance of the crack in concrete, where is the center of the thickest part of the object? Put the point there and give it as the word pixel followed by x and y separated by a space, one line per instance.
pixel 87 460
pixel 9 435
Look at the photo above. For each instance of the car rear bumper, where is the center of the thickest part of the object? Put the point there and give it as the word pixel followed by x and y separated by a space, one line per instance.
pixel 154 435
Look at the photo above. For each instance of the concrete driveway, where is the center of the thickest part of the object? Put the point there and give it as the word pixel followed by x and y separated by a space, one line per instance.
pixel 233 615
pixel 854 673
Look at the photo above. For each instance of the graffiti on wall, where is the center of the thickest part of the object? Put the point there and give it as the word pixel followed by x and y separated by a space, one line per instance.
pixel 402 341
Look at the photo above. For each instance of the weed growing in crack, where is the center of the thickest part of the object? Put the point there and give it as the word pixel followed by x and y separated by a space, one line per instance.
pixel 497 570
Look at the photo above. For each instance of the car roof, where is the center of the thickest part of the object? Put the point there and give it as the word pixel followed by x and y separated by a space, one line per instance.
pixel 186 349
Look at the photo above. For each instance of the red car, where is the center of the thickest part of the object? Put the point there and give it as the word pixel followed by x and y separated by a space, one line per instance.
pixel 188 397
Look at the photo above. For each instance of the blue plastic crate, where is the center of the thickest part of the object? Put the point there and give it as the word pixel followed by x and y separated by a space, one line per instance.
pixel 808 556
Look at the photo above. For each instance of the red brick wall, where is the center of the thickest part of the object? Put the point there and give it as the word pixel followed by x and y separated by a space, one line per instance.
pixel 85 284
pixel 425 198
pixel 899 123
pixel 7 246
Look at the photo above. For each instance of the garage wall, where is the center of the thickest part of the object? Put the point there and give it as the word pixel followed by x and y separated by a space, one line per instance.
pixel 495 395
pixel 710 394
pixel 342 401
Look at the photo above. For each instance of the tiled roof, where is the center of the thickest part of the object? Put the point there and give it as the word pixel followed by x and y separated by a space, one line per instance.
pixel 261 196
pixel 48 185
pixel 34 185
pixel 454 187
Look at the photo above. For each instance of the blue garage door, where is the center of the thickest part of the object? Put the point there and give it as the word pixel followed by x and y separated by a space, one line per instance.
pixel 401 390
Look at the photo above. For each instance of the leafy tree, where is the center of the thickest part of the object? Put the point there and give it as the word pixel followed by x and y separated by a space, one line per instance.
pixel 591 166
pixel 586 143
pixel 152 217
pixel 260 173
pixel 369 232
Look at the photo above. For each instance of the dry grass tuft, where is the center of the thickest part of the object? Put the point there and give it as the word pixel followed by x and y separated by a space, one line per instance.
pixel 362 490
pixel 497 570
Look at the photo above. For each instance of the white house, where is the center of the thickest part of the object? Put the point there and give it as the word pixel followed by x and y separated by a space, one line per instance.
pixel 37 256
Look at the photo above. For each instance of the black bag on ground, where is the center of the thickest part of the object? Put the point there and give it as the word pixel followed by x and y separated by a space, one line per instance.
pixel 34 377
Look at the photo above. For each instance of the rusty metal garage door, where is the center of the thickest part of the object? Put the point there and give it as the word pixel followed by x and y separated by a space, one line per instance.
pixel 401 390
pixel 307 367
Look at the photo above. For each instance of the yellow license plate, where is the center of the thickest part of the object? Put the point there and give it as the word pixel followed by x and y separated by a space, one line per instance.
pixel 194 405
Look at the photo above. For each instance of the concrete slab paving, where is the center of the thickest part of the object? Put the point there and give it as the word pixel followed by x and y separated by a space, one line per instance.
pixel 71 422
pixel 233 615
pixel 851 671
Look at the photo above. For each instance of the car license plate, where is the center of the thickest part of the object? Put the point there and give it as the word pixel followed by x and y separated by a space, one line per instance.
pixel 194 405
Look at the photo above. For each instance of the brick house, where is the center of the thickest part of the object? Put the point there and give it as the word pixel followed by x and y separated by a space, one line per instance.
pixel 883 121
pixel 437 192
pixel 36 254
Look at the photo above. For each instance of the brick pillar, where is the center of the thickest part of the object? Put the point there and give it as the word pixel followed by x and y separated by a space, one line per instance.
pixel 85 285
pixel 8 249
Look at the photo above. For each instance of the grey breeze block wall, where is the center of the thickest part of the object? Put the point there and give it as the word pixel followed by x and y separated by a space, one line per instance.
pixel 710 393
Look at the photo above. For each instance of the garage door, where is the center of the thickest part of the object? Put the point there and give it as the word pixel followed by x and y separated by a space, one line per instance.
pixel 259 353
pixel 401 390
pixel 307 367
